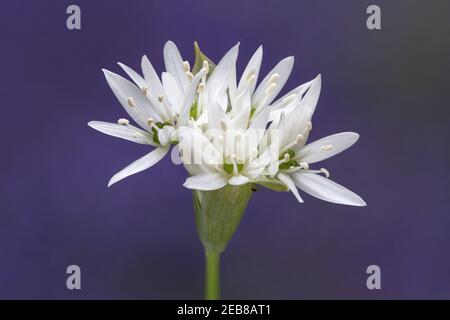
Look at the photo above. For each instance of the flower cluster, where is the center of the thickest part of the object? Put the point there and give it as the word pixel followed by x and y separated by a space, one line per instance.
pixel 227 132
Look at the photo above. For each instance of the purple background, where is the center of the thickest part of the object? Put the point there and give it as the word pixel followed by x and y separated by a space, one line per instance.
pixel 138 239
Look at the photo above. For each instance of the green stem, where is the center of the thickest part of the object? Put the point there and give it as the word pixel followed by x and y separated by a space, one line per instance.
pixel 212 275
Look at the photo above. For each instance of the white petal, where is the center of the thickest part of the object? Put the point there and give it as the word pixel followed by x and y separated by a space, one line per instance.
pixel 152 79
pixel 241 115
pixel 174 64
pixel 139 165
pixel 219 80
pixel 206 182
pixel 123 90
pixel 238 180
pixel 253 67
pixel 327 147
pixel 127 132
pixel 325 189
pixel 299 91
pixel 189 98
pixel 288 181
pixel 309 101
pixel 283 68
pixel 173 91
pixel 136 77
pixel 215 115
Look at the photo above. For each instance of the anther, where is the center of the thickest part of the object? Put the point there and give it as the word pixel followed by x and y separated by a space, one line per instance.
pixel 201 87
pixel 205 65
pixel 250 75
pixel 274 78
pixel 309 125
pixel 189 75
pixel 304 165
pixel 300 138
pixel 270 88
pixel 145 91
pixel 325 172
pixel 123 122
pixel 150 121
pixel 131 102
pixel 161 98
pixel 326 147
pixel 186 66
pixel 286 158
pixel 137 135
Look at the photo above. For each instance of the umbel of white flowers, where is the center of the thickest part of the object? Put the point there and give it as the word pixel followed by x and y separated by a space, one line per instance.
pixel 207 106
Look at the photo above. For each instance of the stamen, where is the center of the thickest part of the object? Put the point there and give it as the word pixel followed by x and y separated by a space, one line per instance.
pixel 325 172
pixel 186 66
pixel 251 79
pixel 131 102
pixel 270 88
pixel 304 165
pixel 300 138
pixel 161 98
pixel 250 74
pixel 274 78
pixel 123 122
pixel 201 87
pixel 189 75
pixel 137 135
pixel 150 121
pixel 286 158
pixel 309 125
pixel 205 65
pixel 145 91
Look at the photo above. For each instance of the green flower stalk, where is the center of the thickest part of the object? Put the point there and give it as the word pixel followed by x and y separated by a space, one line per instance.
pixel 217 215
pixel 230 135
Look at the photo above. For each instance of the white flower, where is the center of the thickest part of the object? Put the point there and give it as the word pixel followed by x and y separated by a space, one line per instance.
pixel 157 107
pixel 295 158
pixel 227 131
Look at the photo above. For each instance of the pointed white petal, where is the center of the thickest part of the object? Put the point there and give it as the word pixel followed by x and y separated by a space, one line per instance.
pixel 189 98
pixel 299 91
pixel 215 115
pixel 238 180
pixel 173 91
pixel 206 182
pixel 140 165
pixel 325 189
pixel 136 77
pixel 290 183
pixel 252 68
pixel 127 132
pixel 309 101
pixel 219 80
pixel 174 64
pixel 283 69
pixel 152 79
pixel 327 147
pixel 260 120
pixel 124 90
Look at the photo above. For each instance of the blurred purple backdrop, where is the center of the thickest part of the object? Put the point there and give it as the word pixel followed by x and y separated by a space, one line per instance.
pixel 138 239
